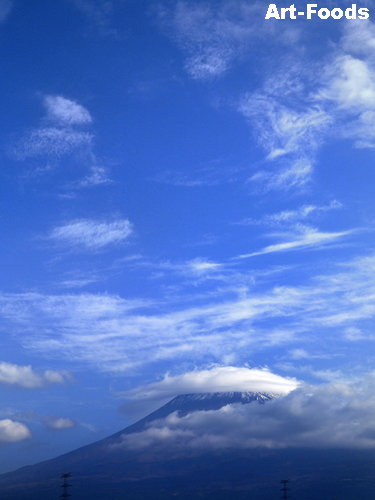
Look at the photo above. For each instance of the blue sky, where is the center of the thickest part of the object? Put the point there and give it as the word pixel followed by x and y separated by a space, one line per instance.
pixel 187 205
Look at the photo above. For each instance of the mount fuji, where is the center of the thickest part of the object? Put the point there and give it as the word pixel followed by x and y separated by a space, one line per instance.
pixel 107 471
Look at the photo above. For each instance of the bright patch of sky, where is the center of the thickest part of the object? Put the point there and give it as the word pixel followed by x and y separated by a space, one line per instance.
pixel 187 205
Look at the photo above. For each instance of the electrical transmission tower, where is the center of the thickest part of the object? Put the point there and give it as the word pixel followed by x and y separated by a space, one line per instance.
pixel 284 489
pixel 65 485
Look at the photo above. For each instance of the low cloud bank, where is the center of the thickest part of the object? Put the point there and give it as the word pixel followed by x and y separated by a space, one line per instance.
pixel 331 416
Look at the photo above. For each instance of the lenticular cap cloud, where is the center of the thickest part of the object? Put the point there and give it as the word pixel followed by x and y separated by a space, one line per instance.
pixel 216 379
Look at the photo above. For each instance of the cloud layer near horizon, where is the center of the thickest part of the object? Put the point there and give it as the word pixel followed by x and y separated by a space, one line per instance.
pixel 331 416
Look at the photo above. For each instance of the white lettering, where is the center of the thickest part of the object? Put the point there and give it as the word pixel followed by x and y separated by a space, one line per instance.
pixel 310 9
pixel 363 13
pixel 351 13
pixel 272 11
pixel 324 13
pixel 337 13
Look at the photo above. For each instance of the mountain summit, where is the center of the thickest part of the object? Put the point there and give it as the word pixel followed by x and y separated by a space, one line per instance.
pixel 203 401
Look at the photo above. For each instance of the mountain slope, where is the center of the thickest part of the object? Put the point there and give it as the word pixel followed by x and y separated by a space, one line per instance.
pixel 104 471
pixel 97 455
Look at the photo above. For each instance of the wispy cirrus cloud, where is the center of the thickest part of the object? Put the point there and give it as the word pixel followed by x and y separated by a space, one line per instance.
pixel 98 175
pixel 196 268
pixel 91 234
pixel 65 111
pixel 215 36
pixel 302 237
pixel 211 37
pixel 281 129
pixel 63 134
pixel 287 217
pixel 60 134
pixel 290 135
pixel 223 325
pixel 302 103
pixel 293 176
pixel 52 142
pixel 26 377
pixel 336 98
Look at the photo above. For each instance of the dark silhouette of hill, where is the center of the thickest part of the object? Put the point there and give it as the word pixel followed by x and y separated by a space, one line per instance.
pixel 106 472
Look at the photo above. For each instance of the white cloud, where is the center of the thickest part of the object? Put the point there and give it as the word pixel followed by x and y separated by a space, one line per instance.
pixel 353 333
pixel 308 238
pixel 352 85
pixel 359 38
pixel 212 37
pixel 299 108
pixel 215 36
pixel 58 423
pixel 62 134
pixel 287 217
pixel 281 129
pixel 26 377
pixel 92 234
pixel 215 379
pixel 65 111
pixel 195 268
pixel 96 177
pixel 52 142
pixel 289 134
pixel 347 86
pixel 12 432
pixel 338 415
pixel 295 175
pixel 225 325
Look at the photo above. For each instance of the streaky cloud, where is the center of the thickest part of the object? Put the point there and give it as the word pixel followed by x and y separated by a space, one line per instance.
pixel 92 234
pixel 310 238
